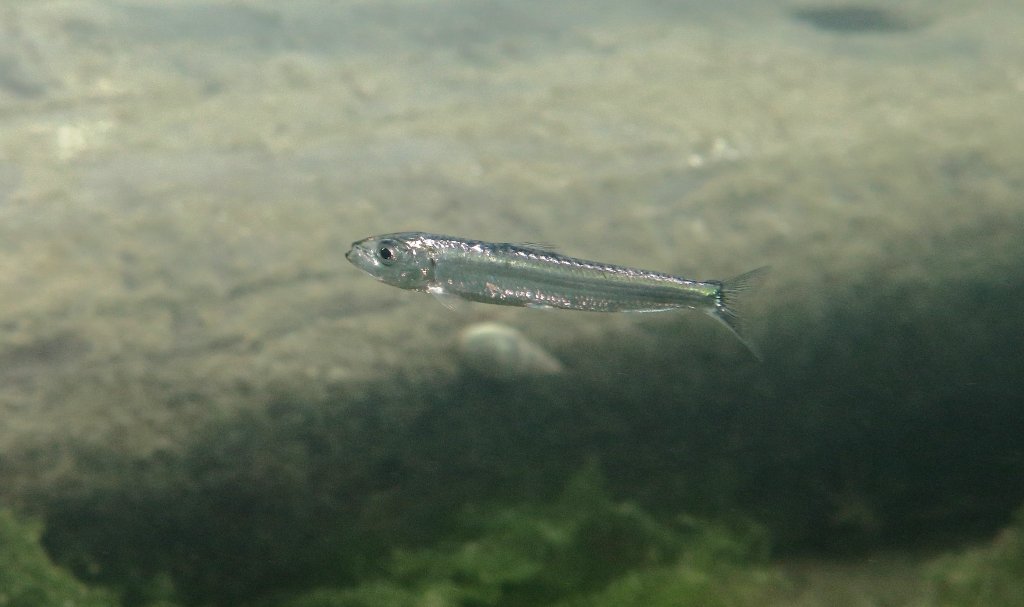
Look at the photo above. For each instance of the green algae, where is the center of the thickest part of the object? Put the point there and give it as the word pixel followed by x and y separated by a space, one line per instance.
pixel 367 595
pixel 683 585
pixel 29 579
pixel 988 576
pixel 584 545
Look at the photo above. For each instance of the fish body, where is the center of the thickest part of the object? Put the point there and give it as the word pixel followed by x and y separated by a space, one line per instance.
pixel 529 275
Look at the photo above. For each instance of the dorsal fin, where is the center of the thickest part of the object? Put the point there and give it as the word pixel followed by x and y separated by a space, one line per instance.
pixel 546 247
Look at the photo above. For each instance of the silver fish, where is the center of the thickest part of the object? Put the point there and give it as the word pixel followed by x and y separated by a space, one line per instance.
pixel 531 275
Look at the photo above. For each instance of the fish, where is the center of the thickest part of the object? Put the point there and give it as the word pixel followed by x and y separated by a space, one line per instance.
pixel 535 276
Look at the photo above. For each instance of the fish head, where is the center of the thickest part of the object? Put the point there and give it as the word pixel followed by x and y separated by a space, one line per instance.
pixel 401 260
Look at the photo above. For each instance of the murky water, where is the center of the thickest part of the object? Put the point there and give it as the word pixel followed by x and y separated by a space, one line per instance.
pixel 193 378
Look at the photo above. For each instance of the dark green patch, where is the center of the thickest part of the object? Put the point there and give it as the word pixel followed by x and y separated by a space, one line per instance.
pixel 986 575
pixel 852 18
pixel 29 579
pixel 584 549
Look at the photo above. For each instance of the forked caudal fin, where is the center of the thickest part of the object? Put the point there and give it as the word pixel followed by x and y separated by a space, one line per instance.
pixel 729 295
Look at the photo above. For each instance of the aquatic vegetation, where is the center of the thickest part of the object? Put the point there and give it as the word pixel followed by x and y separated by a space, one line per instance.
pixel 367 595
pixel 584 545
pixel 29 579
pixel 988 576
pixel 683 585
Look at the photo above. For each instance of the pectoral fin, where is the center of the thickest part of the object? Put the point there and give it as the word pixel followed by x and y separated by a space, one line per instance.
pixel 448 300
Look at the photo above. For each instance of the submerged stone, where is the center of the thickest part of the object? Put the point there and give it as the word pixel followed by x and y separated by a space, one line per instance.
pixel 500 352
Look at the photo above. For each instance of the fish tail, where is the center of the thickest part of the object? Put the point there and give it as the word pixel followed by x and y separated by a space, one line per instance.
pixel 730 294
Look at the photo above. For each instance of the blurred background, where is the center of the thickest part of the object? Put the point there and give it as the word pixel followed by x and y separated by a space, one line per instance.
pixel 203 403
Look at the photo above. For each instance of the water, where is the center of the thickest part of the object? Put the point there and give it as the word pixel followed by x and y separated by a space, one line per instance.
pixel 203 403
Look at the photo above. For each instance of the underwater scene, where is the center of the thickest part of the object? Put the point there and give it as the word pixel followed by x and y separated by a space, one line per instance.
pixel 252 261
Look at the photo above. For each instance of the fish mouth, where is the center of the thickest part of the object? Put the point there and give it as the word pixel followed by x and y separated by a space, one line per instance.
pixel 360 257
pixel 353 251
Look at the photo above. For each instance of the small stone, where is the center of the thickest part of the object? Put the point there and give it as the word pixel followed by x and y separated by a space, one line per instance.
pixel 500 352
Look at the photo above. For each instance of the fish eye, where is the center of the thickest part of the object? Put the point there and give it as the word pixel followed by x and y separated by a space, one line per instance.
pixel 387 252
